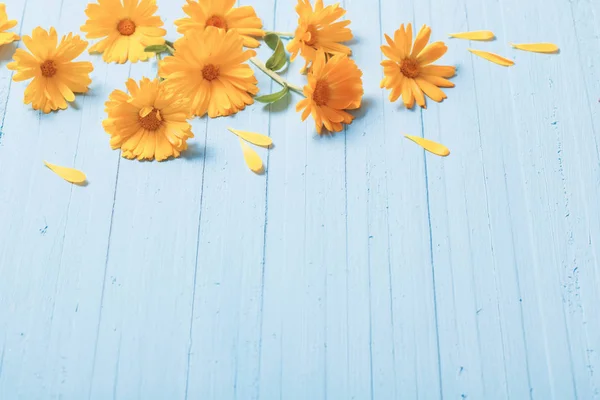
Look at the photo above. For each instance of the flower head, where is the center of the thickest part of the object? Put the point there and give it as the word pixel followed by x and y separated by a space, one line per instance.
pixel 334 85
pixel 56 77
pixel 5 24
pixel 150 122
pixel 222 14
pixel 408 72
pixel 209 68
pixel 318 31
pixel 126 28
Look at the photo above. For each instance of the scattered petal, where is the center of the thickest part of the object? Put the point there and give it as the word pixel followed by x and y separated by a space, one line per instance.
pixel 430 146
pixel 252 158
pixel 537 47
pixel 68 174
pixel 474 35
pixel 254 138
pixel 495 58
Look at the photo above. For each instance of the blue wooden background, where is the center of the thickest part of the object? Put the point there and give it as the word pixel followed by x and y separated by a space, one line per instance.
pixel 358 267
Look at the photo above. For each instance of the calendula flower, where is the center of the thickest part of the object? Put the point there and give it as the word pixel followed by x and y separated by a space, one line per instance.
pixel 408 72
pixel 222 14
pixel 5 24
pixel 334 85
pixel 126 28
pixel 56 77
pixel 150 122
pixel 209 68
pixel 318 31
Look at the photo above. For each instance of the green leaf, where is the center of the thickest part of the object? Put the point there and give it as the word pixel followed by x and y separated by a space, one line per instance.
pixel 273 97
pixel 272 40
pixel 157 48
pixel 279 58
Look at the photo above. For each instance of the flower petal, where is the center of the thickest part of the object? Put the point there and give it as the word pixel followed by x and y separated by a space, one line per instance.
pixel 252 158
pixel 495 58
pixel 68 174
pixel 474 35
pixel 430 146
pixel 432 91
pixel 417 92
pixel 254 138
pixel 432 53
pixel 421 41
pixel 537 47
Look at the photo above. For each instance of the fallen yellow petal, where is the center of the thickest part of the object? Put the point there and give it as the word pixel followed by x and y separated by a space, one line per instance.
pixel 252 158
pixel 537 47
pixel 254 138
pixel 474 35
pixel 430 146
pixel 495 58
pixel 68 174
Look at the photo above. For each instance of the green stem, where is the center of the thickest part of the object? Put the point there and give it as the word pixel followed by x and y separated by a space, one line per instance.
pixel 170 47
pixel 275 76
pixel 282 34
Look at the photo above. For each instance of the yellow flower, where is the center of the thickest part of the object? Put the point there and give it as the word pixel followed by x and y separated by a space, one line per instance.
pixel 334 85
pixel 150 122
pixel 209 68
pixel 5 24
pixel 408 72
pixel 318 31
pixel 55 76
pixel 127 29
pixel 221 14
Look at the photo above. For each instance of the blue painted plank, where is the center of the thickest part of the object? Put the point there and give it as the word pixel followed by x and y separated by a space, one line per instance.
pixel 357 267
pixel 225 332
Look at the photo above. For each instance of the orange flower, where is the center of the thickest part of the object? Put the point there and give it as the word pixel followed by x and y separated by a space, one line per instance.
pixel 334 86
pixel 55 77
pixel 126 29
pixel 5 24
pixel 408 72
pixel 318 31
pixel 221 14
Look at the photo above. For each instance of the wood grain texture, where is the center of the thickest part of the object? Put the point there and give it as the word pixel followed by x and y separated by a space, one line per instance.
pixel 358 267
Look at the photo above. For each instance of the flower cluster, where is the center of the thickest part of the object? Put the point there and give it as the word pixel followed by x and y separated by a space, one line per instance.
pixel 207 70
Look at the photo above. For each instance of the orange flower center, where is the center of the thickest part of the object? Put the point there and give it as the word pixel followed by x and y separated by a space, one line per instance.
pixel 126 27
pixel 410 68
pixel 210 72
pixel 152 121
pixel 48 68
pixel 312 39
pixel 217 22
pixel 322 93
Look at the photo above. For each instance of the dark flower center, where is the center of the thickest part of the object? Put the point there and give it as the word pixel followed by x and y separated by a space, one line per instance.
pixel 126 27
pixel 313 35
pixel 151 122
pixel 48 68
pixel 322 93
pixel 217 22
pixel 410 68
pixel 210 72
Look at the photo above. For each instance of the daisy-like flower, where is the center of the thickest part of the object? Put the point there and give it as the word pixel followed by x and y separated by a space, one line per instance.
pixel 56 77
pixel 150 122
pixel 408 72
pixel 222 14
pixel 334 85
pixel 126 28
pixel 209 68
pixel 5 24
pixel 317 31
